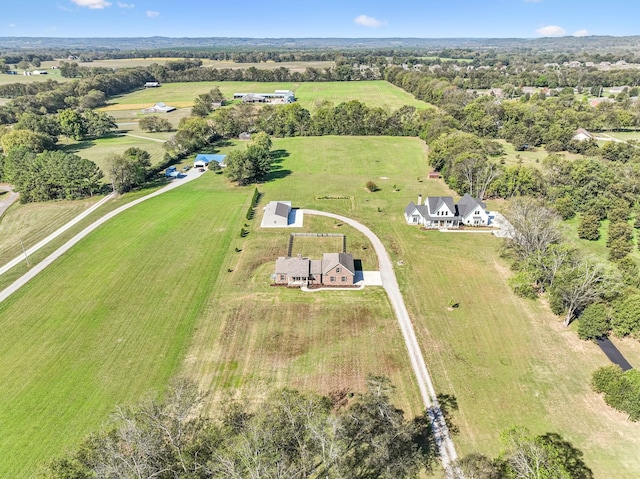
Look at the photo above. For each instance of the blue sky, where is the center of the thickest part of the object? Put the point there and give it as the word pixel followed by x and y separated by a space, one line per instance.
pixel 313 18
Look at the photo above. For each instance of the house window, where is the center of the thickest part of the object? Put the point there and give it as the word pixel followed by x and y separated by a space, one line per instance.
pixel 338 269
pixel 344 279
pixel 282 277
pixel 333 279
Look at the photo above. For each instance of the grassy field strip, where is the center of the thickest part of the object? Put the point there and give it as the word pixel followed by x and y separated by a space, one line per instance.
pixel 55 234
pixel 33 272
pixel 440 430
pixel 117 323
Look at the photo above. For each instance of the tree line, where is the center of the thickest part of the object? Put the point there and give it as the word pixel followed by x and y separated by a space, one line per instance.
pixel 295 435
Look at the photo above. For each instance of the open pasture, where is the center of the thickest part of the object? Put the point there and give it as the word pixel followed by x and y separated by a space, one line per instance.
pixel 101 149
pixel 173 278
pixel 20 78
pixel 120 312
pixel 34 222
pixel 309 94
pixel 506 360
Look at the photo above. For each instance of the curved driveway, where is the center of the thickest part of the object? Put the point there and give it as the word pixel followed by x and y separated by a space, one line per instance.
pixel 33 272
pixel 390 284
pixel 8 201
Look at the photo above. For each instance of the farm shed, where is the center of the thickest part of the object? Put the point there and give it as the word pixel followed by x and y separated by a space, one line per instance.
pixel 159 108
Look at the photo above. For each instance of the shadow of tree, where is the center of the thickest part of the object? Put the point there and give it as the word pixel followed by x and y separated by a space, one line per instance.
pixel 77 147
pixel 448 403
pixel 425 440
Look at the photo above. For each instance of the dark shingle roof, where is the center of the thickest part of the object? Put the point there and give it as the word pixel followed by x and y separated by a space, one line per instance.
pixel 435 202
pixel 282 209
pixel 467 203
pixel 331 260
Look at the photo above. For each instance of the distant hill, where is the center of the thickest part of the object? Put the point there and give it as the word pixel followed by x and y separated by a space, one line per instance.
pixel 593 43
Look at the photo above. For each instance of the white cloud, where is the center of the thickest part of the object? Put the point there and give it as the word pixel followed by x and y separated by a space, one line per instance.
pixel 125 5
pixel 92 4
pixel 551 31
pixel 582 33
pixel 12 25
pixel 367 21
pixel 152 14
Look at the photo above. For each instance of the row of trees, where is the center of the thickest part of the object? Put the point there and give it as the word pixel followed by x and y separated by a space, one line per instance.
pixel 296 435
pixel 50 175
pixel 289 434
pixel 40 132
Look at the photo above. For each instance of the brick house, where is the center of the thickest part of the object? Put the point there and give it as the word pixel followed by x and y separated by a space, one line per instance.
pixel 334 269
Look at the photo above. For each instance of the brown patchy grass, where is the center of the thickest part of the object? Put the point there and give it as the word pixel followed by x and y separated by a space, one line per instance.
pixel 314 247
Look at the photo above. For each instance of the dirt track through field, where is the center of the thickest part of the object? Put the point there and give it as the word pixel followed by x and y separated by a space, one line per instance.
pixel 443 438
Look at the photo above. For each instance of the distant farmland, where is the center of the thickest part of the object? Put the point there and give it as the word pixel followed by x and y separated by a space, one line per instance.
pixel 309 94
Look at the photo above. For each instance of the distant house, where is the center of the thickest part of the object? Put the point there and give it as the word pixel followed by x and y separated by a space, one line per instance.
pixel 245 136
pixel 582 135
pixel 434 175
pixel 443 212
pixel 334 269
pixel 276 214
pixel 202 161
pixel 159 108
pixel 279 96
pixel 152 84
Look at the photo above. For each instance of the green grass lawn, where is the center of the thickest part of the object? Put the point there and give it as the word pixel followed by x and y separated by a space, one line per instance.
pixel 597 248
pixel 20 78
pixel 309 94
pixel 101 149
pixel 117 323
pixel 170 287
pixel 532 157
pixel 33 222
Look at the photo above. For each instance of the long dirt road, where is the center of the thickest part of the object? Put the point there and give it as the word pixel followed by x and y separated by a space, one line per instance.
pixel 389 282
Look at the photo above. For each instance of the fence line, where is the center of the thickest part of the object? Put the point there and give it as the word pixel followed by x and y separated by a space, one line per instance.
pixel 318 235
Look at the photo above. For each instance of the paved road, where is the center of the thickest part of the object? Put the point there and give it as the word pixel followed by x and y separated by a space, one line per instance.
pixel 33 272
pixel 54 235
pixel 390 284
pixel 8 199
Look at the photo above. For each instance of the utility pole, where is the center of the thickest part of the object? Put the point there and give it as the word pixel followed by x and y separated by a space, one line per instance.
pixel 26 257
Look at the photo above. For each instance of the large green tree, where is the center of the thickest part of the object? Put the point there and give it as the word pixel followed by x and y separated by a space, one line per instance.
pixel 251 164
pixel 129 169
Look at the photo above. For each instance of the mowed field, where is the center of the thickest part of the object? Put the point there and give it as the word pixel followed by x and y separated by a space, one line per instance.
pixel 20 78
pixel 172 278
pixel 110 321
pixel 100 150
pixel 309 94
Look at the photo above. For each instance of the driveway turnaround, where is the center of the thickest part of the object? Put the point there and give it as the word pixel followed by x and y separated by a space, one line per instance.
pixel 390 283
pixel 33 272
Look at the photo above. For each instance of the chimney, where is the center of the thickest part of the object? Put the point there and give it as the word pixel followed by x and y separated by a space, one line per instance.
pixel 419 199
